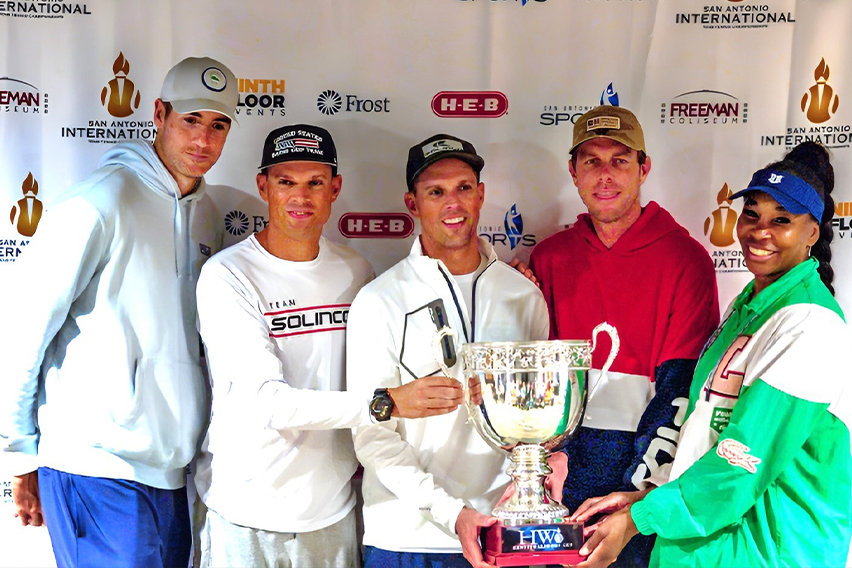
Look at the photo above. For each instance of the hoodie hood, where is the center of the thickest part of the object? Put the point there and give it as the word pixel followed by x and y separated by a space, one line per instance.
pixel 140 157
pixel 653 224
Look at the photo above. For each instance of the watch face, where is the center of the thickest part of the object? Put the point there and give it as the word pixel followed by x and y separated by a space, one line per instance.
pixel 381 407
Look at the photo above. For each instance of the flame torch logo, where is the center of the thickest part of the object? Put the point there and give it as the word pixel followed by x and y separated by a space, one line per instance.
pixel 722 222
pixel 117 96
pixel 28 209
pixel 820 102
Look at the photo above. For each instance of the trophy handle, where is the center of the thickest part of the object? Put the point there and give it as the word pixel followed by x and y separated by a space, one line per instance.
pixel 437 349
pixel 616 344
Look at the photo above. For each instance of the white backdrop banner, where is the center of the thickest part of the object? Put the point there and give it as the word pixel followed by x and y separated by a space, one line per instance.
pixel 722 87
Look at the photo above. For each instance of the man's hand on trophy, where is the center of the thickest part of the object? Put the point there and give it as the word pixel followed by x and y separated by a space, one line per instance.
pixel 524 269
pixel 474 387
pixel 615 501
pixel 427 396
pixel 609 540
pixel 468 524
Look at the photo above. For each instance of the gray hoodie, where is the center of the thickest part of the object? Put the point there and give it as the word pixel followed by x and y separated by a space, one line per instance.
pixel 103 377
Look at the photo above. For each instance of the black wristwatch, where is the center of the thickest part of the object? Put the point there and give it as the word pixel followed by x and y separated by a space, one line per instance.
pixel 381 406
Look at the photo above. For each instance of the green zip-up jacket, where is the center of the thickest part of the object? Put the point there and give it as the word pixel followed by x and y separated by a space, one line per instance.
pixel 763 473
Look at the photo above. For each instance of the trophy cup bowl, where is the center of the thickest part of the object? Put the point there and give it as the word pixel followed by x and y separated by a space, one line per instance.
pixel 527 398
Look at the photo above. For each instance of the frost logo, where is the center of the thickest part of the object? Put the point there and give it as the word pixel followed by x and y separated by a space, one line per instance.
pixel 720 225
pixel 236 223
pixel 609 96
pixel 117 96
pixel 329 102
pixel 514 224
pixel 821 95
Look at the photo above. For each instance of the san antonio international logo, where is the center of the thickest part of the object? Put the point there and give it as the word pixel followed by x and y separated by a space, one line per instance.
pixel 820 102
pixel 117 95
pixel 720 228
pixel 121 99
pixel 818 105
pixel 42 10
pixel 26 213
pixel 732 15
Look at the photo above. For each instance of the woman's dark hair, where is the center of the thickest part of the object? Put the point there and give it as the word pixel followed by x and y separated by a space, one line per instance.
pixel 810 162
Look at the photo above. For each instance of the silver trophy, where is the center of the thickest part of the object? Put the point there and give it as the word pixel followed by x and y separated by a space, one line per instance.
pixel 527 398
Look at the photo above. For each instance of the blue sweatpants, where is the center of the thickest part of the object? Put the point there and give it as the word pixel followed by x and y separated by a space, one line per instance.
pixel 380 558
pixel 99 522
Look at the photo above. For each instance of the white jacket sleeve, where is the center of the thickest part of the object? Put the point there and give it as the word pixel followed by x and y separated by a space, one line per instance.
pixel 245 370
pixel 372 363
pixel 52 272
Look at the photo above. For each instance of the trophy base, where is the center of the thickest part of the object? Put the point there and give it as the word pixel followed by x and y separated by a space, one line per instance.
pixel 532 544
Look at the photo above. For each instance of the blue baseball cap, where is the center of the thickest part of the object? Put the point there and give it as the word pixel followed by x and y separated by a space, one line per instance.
pixel 795 194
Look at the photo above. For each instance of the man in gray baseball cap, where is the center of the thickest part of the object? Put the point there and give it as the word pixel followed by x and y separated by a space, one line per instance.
pixel 112 345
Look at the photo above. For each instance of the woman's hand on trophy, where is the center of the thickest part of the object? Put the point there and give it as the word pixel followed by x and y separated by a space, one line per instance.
pixel 615 501
pixel 427 396
pixel 609 540
pixel 468 524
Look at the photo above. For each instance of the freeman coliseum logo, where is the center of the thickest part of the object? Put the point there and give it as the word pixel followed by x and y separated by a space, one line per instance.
pixel 261 97
pixel 704 107
pixel 120 98
pixel 24 217
pixel 39 10
pixel 511 234
pixel 734 15
pixel 554 115
pixel 470 104
pixel 330 102
pixel 720 228
pixel 818 105
pixel 20 97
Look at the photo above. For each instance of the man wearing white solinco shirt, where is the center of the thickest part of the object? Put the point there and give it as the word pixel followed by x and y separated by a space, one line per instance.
pixel 429 485
pixel 275 470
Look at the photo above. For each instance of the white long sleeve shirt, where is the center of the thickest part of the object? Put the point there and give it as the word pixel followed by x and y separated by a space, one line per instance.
pixel 278 454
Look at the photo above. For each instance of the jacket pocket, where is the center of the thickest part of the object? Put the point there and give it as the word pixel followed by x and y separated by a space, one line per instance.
pixel 162 423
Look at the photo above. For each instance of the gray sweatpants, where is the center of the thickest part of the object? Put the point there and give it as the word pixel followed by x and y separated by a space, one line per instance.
pixel 221 544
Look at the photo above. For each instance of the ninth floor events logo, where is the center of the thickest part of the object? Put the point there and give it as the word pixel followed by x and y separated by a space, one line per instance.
pixel 720 229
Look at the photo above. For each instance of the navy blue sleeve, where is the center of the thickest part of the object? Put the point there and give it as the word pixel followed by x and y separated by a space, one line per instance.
pixel 659 428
